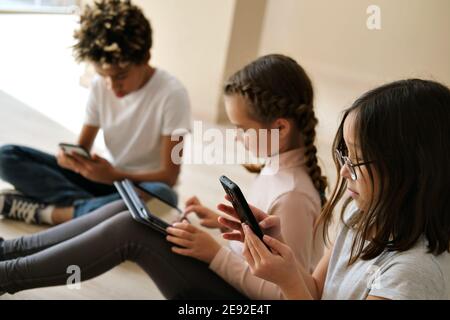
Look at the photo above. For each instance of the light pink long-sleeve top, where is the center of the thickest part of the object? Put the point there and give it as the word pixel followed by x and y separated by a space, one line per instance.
pixel 283 188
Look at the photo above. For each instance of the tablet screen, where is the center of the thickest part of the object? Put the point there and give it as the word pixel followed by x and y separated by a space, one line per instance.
pixel 162 210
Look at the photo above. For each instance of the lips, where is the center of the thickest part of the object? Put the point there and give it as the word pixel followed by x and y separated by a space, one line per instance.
pixel 352 192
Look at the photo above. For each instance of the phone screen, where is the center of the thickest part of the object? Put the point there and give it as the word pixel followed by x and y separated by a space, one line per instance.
pixel 69 149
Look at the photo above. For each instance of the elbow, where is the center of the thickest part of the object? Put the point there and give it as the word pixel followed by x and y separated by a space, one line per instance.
pixel 171 178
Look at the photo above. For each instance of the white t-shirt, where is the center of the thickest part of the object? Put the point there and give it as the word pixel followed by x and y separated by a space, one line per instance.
pixel 414 274
pixel 133 125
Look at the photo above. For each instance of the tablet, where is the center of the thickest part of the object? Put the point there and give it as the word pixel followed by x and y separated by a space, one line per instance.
pixel 155 213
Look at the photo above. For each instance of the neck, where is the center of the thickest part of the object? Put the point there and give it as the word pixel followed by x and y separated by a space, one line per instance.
pixel 147 75
pixel 293 143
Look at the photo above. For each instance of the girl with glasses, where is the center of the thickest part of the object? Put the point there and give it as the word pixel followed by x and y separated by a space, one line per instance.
pixel 392 152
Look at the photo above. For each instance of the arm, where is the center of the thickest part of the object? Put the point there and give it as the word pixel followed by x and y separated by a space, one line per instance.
pixel 280 265
pixel 298 213
pixel 315 282
pixel 87 136
pixel 168 172
pixel 100 170
pixel 86 139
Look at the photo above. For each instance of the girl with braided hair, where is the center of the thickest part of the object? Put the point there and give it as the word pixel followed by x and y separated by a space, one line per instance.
pixel 272 93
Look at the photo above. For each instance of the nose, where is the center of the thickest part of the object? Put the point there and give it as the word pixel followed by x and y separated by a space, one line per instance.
pixel 345 172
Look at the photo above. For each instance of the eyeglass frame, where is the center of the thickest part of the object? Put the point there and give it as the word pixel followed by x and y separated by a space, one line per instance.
pixel 345 161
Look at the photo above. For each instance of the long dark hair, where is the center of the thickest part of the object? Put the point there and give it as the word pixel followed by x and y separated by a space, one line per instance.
pixel 277 86
pixel 404 127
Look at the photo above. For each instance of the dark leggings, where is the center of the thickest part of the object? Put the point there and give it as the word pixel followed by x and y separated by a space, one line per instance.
pixel 98 242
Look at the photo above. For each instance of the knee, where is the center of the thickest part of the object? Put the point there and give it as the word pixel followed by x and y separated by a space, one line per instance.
pixel 122 227
pixel 9 155
pixel 128 235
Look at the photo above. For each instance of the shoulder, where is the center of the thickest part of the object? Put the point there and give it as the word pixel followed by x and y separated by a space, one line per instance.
pixel 169 84
pixel 296 203
pixel 414 274
pixel 350 212
pixel 418 260
pixel 97 85
pixel 292 185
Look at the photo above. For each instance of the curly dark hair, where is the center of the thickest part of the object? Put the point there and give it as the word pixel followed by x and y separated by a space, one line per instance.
pixel 277 86
pixel 113 32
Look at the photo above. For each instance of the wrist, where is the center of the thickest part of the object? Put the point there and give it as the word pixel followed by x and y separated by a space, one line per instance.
pixel 118 175
pixel 214 251
pixel 294 288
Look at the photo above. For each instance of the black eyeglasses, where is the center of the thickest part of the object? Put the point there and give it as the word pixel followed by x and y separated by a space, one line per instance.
pixel 345 161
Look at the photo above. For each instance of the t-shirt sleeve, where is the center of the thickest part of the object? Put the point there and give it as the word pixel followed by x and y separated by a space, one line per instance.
pixel 92 114
pixel 177 114
pixel 409 278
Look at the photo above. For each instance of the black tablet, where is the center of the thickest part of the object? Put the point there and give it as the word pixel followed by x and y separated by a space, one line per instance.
pixel 155 213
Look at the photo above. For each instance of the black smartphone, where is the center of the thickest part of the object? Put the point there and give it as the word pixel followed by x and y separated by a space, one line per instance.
pixel 73 148
pixel 240 205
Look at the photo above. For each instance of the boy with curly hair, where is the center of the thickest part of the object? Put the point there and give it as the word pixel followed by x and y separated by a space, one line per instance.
pixel 143 112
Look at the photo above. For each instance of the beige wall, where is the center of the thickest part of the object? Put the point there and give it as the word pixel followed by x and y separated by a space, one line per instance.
pixel 244 41
pixel 202 42
pixel 330 39
pixel 191 41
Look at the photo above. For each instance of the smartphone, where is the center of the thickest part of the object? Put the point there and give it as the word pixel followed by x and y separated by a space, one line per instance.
pixel 241 206
pixel 73 148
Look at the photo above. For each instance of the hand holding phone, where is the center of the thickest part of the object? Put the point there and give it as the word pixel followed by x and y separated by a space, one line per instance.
pixel 241 206
pixel 69 149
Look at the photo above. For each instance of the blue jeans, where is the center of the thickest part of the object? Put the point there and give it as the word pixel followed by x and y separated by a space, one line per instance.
pixel 37 175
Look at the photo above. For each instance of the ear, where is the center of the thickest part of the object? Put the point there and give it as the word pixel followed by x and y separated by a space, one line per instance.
pixel 283 125
pixel 148 56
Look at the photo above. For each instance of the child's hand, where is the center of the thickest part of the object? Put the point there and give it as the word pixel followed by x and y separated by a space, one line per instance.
pixel 66 161
pixel 269 224
pixel 208 218
pixel 192 242
pixel 96 169
pixel 278 266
